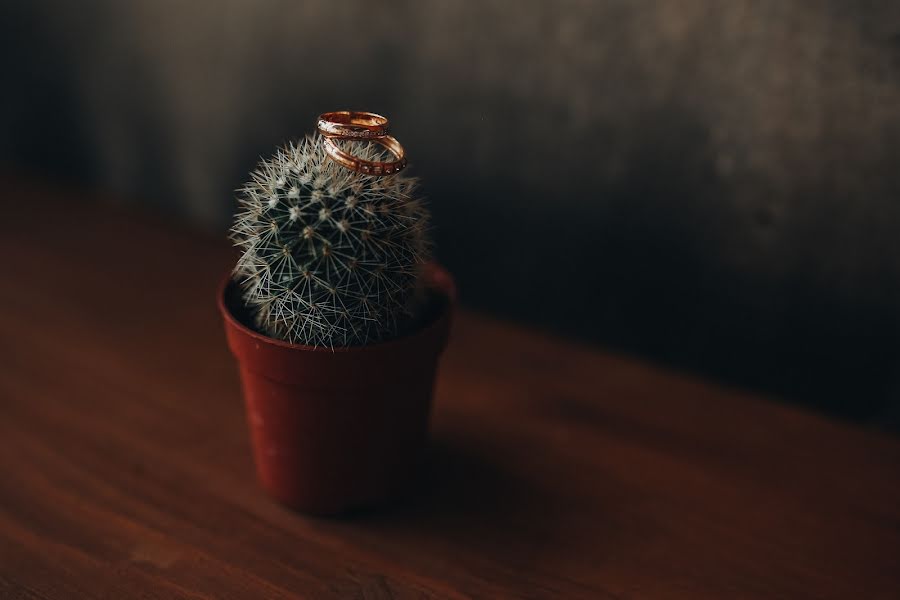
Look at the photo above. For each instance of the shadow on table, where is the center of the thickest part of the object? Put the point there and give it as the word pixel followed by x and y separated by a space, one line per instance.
pixel 465 498
pixel 454 479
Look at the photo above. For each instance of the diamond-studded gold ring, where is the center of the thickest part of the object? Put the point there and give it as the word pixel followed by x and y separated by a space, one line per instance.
pixel 368 167
pixel 352 125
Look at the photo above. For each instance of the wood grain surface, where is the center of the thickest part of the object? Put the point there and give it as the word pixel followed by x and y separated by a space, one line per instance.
pixel 556 470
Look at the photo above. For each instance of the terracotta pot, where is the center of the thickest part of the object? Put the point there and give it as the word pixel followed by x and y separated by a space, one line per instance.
pixel 343 428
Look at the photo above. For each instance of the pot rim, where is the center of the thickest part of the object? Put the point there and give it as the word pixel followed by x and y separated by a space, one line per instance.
pixel 435 276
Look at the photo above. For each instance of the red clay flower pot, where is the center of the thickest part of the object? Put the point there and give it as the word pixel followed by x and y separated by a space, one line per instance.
pixel 337 429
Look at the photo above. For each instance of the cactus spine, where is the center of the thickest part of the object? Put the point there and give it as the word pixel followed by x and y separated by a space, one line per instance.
pixel 330 257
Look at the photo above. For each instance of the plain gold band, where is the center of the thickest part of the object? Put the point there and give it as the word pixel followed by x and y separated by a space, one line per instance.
pixel 368 167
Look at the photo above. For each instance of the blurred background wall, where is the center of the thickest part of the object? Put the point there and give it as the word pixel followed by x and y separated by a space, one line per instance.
pixel 713 185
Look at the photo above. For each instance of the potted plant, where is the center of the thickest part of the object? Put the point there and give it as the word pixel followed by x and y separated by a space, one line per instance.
pixel 337 317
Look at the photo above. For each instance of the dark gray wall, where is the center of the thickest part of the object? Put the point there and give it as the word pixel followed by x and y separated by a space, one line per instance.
pixel 712 184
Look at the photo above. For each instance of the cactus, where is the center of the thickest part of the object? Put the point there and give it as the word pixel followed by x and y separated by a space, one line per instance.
pixel 330 257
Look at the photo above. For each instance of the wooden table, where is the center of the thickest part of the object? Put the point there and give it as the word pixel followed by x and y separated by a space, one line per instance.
pixel 557 470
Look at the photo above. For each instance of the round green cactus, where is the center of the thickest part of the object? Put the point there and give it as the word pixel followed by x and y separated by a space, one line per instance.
pixel 330 257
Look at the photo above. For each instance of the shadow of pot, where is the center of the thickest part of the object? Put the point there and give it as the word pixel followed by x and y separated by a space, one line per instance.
pixel 338 429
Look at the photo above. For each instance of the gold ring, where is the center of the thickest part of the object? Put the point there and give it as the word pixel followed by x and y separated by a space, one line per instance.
pixel 352 125
pixel 369 167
